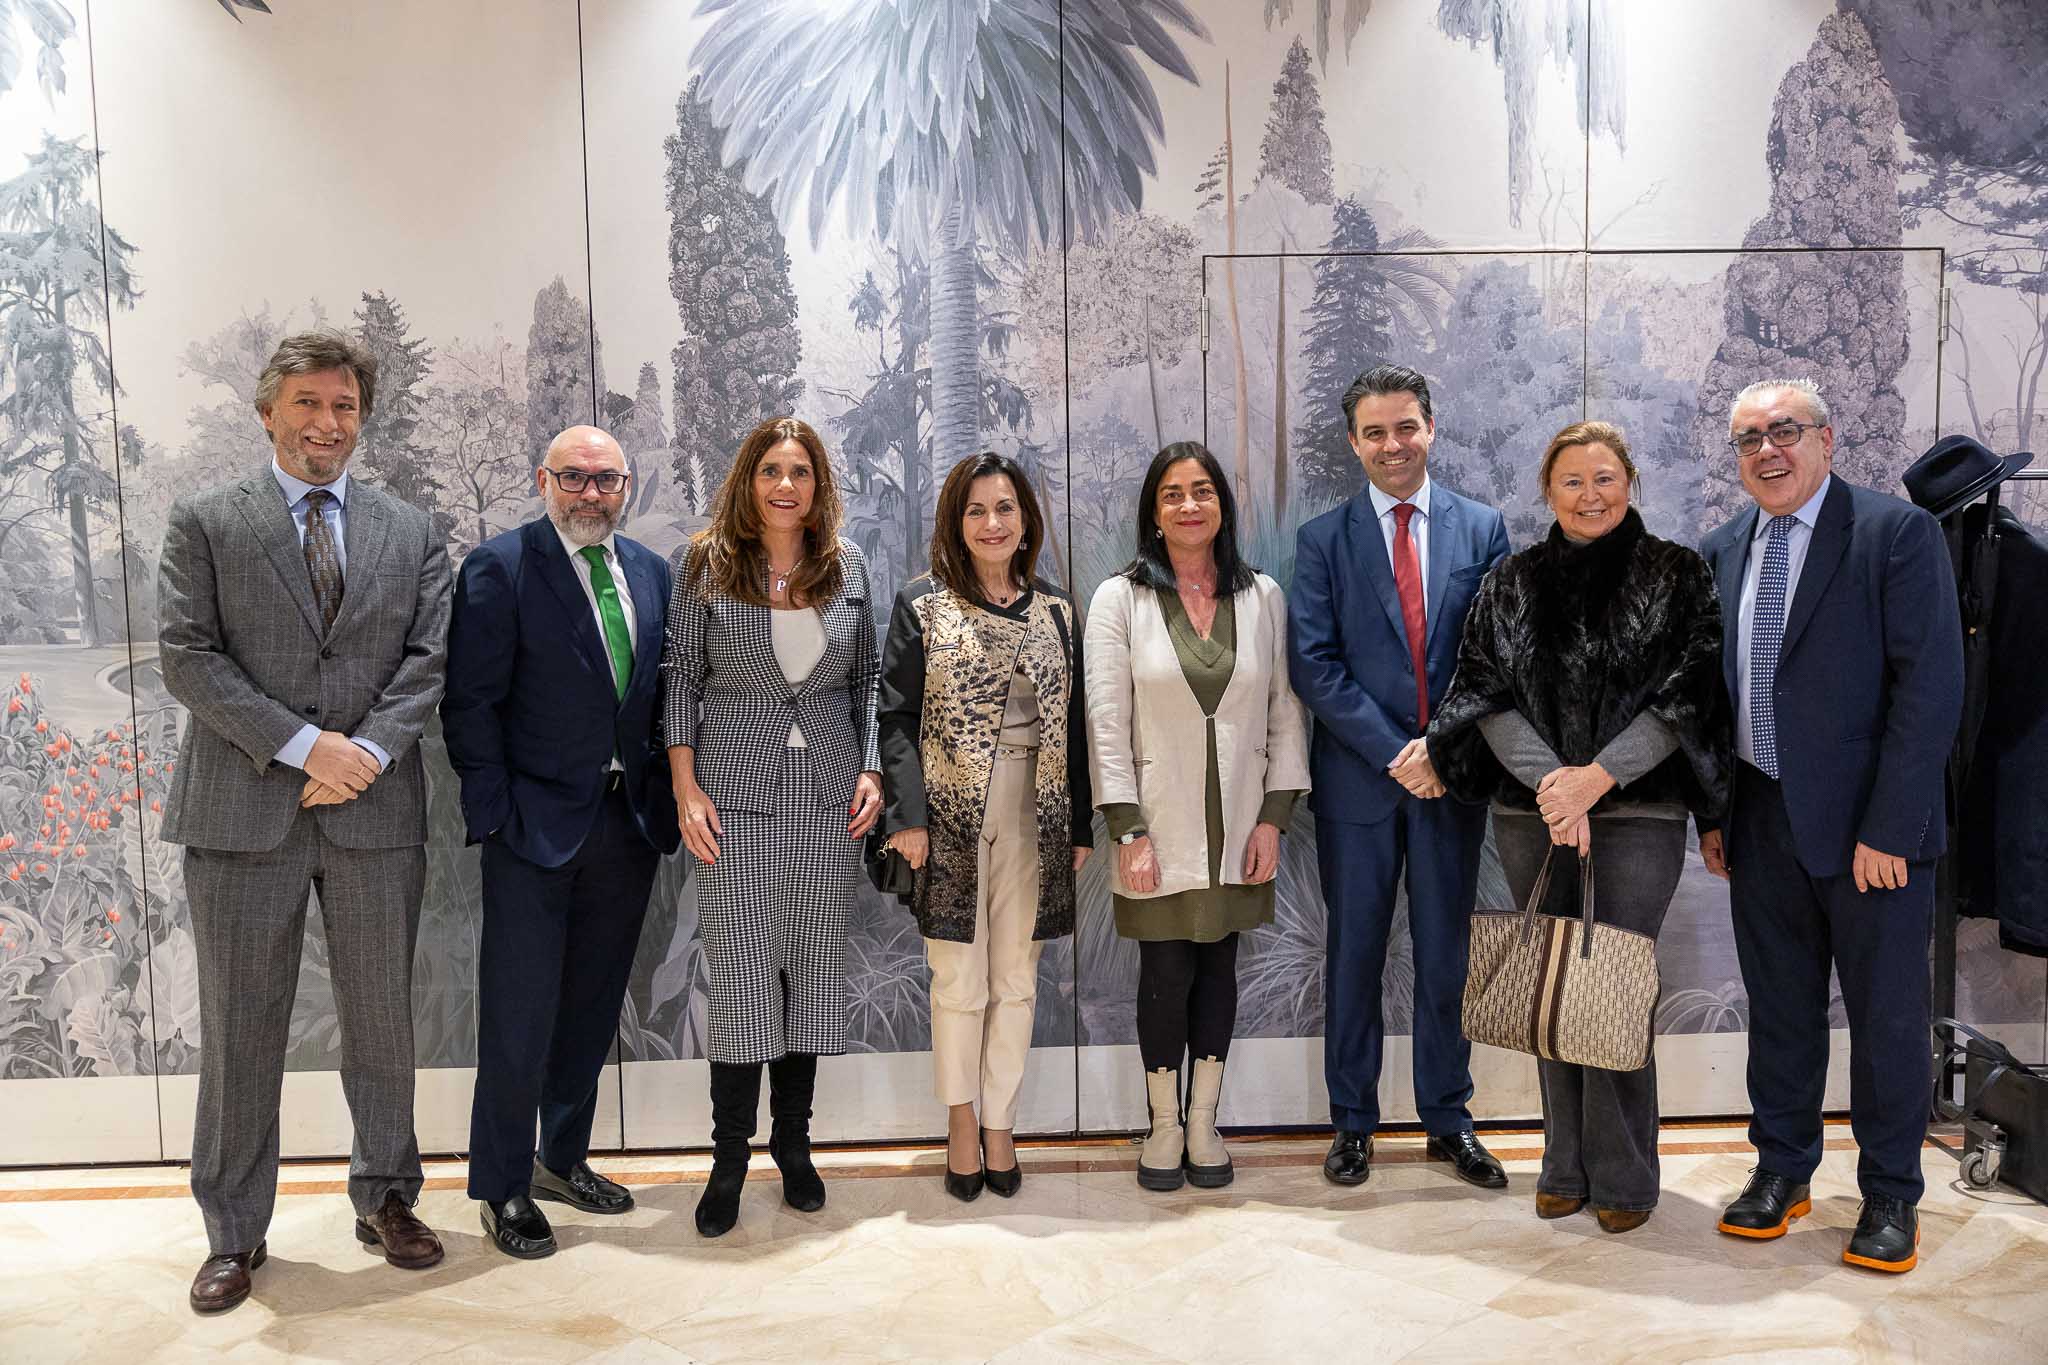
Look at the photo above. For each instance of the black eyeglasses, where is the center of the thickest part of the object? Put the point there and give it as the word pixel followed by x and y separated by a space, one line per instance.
pixel 576 480
pixel 1783 435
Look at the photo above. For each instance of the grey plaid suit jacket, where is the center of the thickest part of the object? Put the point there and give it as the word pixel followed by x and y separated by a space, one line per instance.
pixel 724 694
pixel 241 647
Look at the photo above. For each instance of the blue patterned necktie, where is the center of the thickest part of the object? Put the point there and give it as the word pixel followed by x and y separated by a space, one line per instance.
pixel 1766 635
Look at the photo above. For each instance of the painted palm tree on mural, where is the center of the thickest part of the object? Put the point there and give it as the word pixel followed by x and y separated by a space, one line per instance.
pixel 937 124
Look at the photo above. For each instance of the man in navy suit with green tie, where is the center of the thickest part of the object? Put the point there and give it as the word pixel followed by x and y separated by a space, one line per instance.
pixel 554 654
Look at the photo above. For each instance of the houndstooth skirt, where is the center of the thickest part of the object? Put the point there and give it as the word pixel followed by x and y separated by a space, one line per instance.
pixel 772 913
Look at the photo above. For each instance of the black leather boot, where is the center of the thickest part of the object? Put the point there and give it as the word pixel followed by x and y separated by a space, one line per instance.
pixel 791 1080
pixel 735 1098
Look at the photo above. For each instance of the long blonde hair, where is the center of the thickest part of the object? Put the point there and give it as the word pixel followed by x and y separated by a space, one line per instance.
pixel 727 555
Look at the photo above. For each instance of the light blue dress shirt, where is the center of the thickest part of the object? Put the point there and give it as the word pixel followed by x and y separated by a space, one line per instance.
pixel 336 516
pixel 1418 530
pixel 1796 541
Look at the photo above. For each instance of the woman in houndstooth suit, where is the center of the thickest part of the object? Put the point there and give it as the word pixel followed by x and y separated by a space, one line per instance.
pixel 769 676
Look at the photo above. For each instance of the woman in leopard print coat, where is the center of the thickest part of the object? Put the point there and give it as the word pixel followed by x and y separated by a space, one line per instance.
pixel 985 769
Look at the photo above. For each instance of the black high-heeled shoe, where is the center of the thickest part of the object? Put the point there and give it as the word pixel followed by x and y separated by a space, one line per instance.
pixel 965 1188
pixel 1004 1183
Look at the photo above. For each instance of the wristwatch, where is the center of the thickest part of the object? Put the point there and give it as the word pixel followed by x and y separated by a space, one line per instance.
pixel 1130 836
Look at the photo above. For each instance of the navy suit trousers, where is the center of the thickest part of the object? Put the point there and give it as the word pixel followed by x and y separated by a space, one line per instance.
pixel 1789 928
pixel 1436 845
pixel 557 948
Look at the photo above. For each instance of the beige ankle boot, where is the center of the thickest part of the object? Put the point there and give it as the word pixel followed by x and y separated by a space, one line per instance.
pixel 1159 1161
pixel 1208 1161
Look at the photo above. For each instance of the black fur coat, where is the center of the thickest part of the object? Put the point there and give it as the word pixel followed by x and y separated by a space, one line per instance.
pixel 1581 639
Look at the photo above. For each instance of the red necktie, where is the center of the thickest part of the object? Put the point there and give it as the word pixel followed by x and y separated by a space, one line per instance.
pixel 1408 582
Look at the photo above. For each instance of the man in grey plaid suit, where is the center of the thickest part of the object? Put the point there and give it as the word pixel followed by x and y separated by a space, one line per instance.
pixel 303 624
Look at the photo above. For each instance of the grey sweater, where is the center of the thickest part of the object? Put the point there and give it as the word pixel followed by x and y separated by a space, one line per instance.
pixel 1646 742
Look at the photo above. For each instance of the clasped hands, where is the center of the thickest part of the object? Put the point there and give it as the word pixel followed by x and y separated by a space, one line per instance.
pixel 1413 770
pixel 337 769
pixel 1565 796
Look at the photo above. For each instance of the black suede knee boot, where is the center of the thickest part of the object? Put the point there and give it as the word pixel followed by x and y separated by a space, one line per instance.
pixel 735 1098
pixel 791 1081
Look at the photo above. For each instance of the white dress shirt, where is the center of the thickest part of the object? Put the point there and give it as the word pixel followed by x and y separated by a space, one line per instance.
pixel 1797 539
pixel 1418 529
pixel 618 572
pixel 335 514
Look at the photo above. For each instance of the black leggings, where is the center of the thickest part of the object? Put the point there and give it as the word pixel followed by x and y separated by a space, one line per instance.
pixel 1187 1000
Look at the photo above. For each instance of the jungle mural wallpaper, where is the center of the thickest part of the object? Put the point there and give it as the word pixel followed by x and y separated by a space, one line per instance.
pixel 1069 230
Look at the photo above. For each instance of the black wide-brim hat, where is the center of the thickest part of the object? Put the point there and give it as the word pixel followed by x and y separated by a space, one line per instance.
pixel 1956 471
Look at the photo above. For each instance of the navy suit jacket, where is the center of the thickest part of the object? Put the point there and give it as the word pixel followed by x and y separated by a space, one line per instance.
pixel 1870 676
pixel 1347 650
pixel 531 714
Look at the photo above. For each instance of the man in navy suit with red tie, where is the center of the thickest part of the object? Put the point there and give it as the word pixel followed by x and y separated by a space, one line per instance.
pixel 554 664
pixel 1381 588
pixel 1844 658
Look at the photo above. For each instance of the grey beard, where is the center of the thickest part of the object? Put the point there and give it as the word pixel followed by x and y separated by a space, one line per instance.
pixel 581 532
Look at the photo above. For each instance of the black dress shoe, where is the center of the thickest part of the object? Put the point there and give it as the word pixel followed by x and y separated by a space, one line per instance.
pixel 518 1227
pixel 1766 1207
pixel 965 1188
pixel 1887 1235
pixel 223 1281
pixel 1473 1163
pixel 1350 1158
pixel 580 1188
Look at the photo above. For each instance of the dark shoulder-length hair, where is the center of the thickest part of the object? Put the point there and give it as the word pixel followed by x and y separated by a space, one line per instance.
pixel 952 561
pixel 1151 568
pixel 727 555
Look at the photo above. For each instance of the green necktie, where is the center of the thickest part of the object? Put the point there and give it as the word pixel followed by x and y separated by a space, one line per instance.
pixel 616 637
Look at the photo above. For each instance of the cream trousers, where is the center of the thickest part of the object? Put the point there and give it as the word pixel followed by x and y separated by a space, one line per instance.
pixel 983 992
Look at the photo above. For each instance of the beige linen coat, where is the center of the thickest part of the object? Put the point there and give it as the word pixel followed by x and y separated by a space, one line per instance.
pixel 1147 733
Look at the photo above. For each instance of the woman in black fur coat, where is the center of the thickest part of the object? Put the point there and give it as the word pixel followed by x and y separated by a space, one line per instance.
pixel 1589 707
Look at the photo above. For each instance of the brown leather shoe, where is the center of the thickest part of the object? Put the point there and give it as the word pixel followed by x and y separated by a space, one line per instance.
pixel 1621 1220
pixel 407 1243
pixel 223 1281
pixel 1557 1205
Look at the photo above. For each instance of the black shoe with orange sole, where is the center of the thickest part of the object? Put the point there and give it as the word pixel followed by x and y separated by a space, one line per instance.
pixel 1887 1236
pixel 1766 1207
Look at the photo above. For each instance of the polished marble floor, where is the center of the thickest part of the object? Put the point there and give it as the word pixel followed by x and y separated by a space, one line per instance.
pixel 1082 1265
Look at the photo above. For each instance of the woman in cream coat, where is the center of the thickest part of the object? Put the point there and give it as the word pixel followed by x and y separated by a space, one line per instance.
pixel 1189 641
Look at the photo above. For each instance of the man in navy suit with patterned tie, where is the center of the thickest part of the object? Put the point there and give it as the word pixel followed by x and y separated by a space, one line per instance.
pixel 1381 588
pixel 554 663
pixel 1844 659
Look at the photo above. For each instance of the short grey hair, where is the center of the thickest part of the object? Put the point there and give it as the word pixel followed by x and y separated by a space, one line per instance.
pixel 315 353
pixel 1816 406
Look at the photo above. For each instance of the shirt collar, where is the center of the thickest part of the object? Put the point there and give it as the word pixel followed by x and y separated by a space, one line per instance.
pixel 575 551
pixel 1807 516
pixel 1383 504
pixel 295 489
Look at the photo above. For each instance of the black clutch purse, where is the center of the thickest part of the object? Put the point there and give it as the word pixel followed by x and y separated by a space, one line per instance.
pixel 889 870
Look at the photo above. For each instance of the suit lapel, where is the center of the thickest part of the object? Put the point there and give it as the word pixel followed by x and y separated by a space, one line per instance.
pixel 366 523
pixel 1369 544
pixel 648 610
pixel 1824 554
pixel 560 575
pixel 270 519
pixel 1445 525
pixel 1731 563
